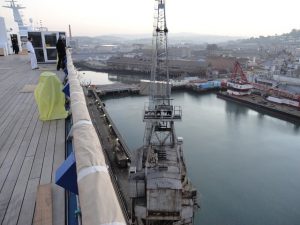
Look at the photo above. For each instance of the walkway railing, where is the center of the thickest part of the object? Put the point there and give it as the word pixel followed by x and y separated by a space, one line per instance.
pixel 98 201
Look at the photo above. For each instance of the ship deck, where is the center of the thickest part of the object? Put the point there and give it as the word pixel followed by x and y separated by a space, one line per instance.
pixel 30 150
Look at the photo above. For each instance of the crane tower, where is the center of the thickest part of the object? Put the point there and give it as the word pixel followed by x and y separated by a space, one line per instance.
pixel 160 191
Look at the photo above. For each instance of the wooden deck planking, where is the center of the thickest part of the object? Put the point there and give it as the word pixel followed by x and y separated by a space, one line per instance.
pixel 11 134
pixel 21 127
pixel 7 183
pixel 7 105
pixel 30 150
pixel 11 99
pixel 7 80
pixel 6 74
pixel 6 100
pixel 35 138
pixel 59 155
pixel 11 81
pixel 58 193
pixel 14 207
pixel 16 180
pixel 8 117
pixel 40 153
pixel 7 93
pixel 46 174
pixel 27 210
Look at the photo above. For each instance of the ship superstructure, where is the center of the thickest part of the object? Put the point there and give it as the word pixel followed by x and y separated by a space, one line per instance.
pixel 17 16
pixel 159 188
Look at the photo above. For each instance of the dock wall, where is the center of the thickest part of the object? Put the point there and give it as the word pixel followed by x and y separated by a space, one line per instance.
pixel 261 108
pixel 97 198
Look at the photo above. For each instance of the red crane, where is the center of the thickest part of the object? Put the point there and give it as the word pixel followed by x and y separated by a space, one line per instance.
pixel 238 74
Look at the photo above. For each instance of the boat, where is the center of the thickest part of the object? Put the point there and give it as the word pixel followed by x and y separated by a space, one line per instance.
pixel 238 83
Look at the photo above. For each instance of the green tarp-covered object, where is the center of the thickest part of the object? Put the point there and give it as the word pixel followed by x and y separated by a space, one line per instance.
pixel 50 98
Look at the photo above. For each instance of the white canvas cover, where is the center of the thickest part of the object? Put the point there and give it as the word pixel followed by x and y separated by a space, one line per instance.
pixel 97 197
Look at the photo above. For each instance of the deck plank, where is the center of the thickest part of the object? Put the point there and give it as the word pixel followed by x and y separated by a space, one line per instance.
pixel 41 148
pixel 17 184
pixel 15 147
pixel 13 209
pixel 59 154
pixel 58 194
pixel 27 210
pixel 46 174
pixel 8 178
pixel 7 106
pixel 10 89
pixel 9 117
pixel 15 129
pixel 58 197
pixel 35 139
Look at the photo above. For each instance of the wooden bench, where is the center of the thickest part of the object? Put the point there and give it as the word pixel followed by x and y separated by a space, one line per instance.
pixel 43 207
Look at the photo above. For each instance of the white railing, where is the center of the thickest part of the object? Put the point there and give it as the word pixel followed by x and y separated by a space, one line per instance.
pixel 97 198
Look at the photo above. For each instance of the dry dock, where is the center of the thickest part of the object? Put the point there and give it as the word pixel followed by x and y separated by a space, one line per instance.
pixel 30 150
pixel 258 103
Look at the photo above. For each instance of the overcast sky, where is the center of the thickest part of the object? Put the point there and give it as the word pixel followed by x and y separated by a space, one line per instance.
pixel 216 17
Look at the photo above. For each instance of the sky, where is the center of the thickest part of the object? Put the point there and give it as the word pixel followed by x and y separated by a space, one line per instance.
pixel 211 17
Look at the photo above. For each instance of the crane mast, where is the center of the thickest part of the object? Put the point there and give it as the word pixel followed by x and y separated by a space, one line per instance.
pixel 159 70
pixel 160 101
pixel 159 188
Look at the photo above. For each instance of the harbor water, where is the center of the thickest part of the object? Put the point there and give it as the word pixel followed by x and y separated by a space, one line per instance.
pixel 245 165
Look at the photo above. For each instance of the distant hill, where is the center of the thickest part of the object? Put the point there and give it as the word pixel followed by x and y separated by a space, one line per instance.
pixel 191 38
pixel 273 39
pixel 174 38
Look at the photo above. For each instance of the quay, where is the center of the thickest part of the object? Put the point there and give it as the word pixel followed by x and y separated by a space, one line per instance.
pixel 117 88
pixel 123 89
pixel 30 150
pixel 258 103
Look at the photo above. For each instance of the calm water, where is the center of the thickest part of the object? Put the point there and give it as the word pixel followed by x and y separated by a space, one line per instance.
pixel 94 78
pixel 245 165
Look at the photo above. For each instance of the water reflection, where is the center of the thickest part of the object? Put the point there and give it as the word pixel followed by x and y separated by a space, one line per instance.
pixel 233 109
pixel 101 78
pixel 296 128
pixel 246 169
pixel 94 78
pixel 127 79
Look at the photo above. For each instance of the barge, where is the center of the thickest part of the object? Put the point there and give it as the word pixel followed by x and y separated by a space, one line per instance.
pixel 259 104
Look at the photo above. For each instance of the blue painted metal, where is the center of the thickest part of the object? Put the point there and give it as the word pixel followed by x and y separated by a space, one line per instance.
pixel 209 85
pixel 72 206
pixel 72 209
pixel 66 175
pixel 71 197
pixel 66 89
